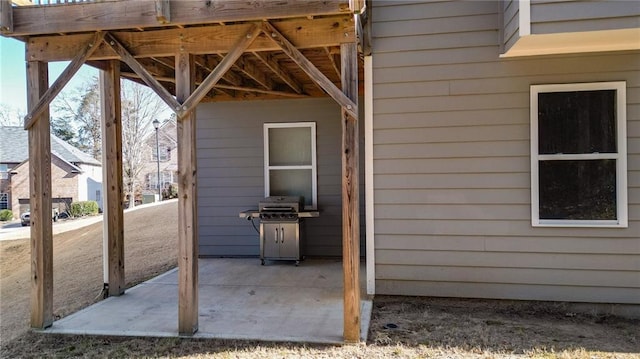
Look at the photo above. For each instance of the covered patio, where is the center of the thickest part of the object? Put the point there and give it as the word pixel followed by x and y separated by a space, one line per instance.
pixel 188 52
pixel 249 301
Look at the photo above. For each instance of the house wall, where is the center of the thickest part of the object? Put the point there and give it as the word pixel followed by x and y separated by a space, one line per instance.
pixel 5 183
pixel 90 184
pixel 511 22
pixel 452 164
pixel 553 16
pixel 230 156
pixel 64 184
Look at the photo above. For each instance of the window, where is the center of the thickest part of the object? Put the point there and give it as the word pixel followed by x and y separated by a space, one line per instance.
pixel 290 161
pixel 166 177
pixel 165 154
pixel 578 155
pixel 4 171
pixel 4 201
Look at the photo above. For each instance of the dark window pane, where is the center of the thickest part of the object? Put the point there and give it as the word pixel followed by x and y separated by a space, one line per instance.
pixel 577 122
pixel 583 190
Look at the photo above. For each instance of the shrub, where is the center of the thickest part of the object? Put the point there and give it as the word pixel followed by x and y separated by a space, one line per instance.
pixel 6 215
pixel 83 208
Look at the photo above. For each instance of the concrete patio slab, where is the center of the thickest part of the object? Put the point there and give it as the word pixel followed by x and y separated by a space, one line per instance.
pixel 239 299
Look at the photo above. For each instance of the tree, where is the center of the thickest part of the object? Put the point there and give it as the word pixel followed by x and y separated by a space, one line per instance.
pixel 79 111
pixel 140 106
pixel 10 116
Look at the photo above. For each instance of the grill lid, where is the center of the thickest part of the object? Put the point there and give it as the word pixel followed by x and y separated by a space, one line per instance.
pixel 281 204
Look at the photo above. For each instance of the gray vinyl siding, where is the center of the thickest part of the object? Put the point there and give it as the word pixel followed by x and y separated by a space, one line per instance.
pixel 555 16
pixel 452 165
pixel 230 156
pixel 511 23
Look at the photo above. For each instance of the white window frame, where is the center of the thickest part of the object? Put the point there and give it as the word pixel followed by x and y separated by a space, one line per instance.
pixel 620 156
pixel 313 167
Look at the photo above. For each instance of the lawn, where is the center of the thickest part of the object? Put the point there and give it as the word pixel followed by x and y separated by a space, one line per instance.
pixel 401 327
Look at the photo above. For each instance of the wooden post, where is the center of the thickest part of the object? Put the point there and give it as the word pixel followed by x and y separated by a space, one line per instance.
pixel 187 201
pixel 112 176
pixel 6 17
pixel 163 11
pixel 40 201
pixel 350 197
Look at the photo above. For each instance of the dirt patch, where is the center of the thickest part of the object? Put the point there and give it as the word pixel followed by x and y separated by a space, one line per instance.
pixel 497 326
pixel 401 327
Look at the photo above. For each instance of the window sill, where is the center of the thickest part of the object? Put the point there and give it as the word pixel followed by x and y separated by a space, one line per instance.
pixel 580 224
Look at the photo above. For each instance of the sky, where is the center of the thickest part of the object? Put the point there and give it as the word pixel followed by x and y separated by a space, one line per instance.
pixel 13 88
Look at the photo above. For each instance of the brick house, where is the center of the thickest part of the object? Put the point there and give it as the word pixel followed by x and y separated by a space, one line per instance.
pixel 75 176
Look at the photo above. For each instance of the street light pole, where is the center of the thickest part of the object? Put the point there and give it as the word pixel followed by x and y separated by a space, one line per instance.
pixel 156 124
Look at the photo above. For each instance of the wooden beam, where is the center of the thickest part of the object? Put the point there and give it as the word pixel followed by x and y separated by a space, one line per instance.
pixel 63 79
pixel 112 176
pixel 350 197
pixel 307 66
pixel 219 71
pixel 282 73
pixel 144 74
pixel 334 63
pixel 6 17
pixel 40 203
pixel 303 33
pixel 187 202
pixel 40 20
pixel 257 90
pixel 163 11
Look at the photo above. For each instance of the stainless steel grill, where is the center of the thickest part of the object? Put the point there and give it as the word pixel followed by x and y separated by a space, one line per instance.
pixel 280 228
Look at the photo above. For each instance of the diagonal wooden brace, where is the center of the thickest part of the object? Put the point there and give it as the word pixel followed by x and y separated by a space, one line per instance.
pixel 142 72
pixel 307 66
pixel 210 81
pixel 63 79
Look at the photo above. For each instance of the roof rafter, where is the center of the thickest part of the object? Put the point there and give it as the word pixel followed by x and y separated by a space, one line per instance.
pixel 283 74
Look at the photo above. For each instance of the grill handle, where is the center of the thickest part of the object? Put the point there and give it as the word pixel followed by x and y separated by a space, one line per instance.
pixel 276 235
pixel 282 235
pixel 278 209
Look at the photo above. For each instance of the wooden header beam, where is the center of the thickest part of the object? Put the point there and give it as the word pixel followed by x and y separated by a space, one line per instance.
pixel 83 17
pixel 302 33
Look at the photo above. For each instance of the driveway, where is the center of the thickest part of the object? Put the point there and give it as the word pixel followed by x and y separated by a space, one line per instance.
pixel 14 230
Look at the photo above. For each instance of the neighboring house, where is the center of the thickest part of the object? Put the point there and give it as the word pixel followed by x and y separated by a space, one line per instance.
pixel 486 178
pixel 75 176
pixel 167 149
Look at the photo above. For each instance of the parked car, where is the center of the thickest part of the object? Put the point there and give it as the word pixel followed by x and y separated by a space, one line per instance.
pixel 25 218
